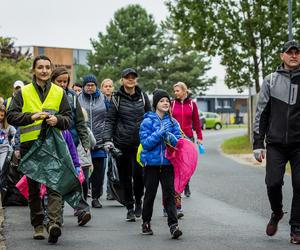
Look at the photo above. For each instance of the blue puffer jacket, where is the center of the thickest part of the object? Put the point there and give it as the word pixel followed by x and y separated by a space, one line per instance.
pixel 153 143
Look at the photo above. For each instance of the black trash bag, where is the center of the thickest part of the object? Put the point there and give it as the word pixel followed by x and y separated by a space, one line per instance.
pixel 48 161
pixel 114 181
pixel 9 177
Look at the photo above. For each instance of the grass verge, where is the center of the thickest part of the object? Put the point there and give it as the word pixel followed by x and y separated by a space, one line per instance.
pixel 241 145
pixel 237 145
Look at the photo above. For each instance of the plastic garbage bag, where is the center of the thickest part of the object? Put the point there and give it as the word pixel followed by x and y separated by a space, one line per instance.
pixel 114 181
pixel 184 158
pixel 49 162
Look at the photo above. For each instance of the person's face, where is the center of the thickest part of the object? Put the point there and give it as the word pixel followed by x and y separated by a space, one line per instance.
pixel 107 88
pixel 291 59
pixel 129 81
pixel 179 93
pixel 163 105
pixel 42 70
pixel 16 89
pixel 77 89
pixel 62 81
pixel 90 88
pixel 2 115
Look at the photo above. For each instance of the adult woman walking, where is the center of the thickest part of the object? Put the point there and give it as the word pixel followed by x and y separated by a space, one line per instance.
pixel 38 101
pixel 185 111
pixel 122 125
pixel 92 100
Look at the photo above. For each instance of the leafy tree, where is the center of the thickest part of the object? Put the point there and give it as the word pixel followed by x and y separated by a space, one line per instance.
pixel 127 43
pixel 132 39
pixel 13 66
pixel 247 34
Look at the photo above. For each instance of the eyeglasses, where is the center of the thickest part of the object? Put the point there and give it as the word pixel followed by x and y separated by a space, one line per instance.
pixel 90 85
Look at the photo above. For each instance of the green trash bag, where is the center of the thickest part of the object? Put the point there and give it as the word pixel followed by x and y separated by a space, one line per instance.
pixel 49 162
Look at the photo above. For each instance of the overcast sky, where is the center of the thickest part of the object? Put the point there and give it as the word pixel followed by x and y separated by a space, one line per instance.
pixel 70 23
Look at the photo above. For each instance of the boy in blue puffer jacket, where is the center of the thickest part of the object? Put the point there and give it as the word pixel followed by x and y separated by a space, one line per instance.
pixel 157 129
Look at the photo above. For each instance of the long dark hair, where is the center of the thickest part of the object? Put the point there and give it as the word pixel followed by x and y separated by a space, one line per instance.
pixel 58 72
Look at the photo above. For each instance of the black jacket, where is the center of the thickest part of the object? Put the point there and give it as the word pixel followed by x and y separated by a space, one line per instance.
pixel 278 109
pixel 122 123
pixel 16 117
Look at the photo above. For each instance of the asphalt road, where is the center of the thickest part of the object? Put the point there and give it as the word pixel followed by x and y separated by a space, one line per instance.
pixel 228 209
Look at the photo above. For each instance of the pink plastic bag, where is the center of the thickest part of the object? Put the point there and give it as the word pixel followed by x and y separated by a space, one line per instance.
pixel 22 186
pixel 81 176
pixel 184 158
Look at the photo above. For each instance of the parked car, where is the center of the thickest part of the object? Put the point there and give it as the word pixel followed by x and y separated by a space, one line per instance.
pixel 210 120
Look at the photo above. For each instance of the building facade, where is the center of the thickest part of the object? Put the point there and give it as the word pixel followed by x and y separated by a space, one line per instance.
pixel 69 58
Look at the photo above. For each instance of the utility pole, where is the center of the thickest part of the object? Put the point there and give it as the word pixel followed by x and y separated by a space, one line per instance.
pixel 290 4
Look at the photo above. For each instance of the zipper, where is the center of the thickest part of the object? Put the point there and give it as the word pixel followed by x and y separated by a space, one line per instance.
pixel 91 115
pixel 288 112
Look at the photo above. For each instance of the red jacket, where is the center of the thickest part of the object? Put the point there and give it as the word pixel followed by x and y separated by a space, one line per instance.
pixel 186 113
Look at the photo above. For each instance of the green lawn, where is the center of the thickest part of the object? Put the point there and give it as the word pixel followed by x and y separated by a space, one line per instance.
pixel 237 145
pixel 235 126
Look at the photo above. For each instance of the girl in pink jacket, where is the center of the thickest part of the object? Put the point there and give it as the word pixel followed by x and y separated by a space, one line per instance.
pixel 185 111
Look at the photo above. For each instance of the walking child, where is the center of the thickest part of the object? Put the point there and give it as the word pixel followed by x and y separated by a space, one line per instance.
pixel 158 129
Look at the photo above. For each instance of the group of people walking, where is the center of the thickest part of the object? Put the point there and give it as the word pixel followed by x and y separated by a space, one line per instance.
pixel 98 120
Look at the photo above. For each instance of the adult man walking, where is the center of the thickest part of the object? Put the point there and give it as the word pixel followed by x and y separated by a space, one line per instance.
pixel 278 119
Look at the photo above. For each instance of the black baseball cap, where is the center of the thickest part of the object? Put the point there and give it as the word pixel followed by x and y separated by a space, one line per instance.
pixel 128 71
pixel 290 45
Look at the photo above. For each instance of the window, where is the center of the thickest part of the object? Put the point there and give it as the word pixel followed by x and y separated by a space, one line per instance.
pixel 226 104
pixel 41 50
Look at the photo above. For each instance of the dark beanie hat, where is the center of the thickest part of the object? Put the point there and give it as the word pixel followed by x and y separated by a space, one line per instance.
pixel 89 78
pixel 157 95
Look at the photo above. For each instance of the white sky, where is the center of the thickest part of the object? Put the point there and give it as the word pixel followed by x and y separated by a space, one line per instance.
pixel 71 23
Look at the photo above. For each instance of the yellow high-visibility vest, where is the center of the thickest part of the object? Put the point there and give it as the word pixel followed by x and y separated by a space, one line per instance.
pixel 8 102
pixel 33 104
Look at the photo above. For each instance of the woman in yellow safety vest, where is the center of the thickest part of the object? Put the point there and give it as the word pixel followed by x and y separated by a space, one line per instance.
pixel 38 101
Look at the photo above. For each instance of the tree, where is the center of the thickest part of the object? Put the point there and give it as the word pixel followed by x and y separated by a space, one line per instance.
pixel 176 62
pixel 132 39
pixel 247 34
pixel 13 66
pixel 127 43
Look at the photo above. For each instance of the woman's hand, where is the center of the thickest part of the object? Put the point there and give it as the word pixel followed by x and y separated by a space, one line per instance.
pixel 52 120
pixel 199 141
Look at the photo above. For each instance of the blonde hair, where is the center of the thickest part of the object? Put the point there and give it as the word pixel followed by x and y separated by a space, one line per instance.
pixel 181 85
pixel 106 80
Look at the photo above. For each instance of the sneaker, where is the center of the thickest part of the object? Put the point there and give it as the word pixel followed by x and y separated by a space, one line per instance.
pixel 96 203
pixel 165 213
pixel 39 233
pixel 180 213
pixel 273 224
pixel 130 215
pixel 83 218
pixel 187 191
pixel 54 233
pixel 146 228
pixel 109 197
pixel 138 210
pixel 175 231
pixel 295 234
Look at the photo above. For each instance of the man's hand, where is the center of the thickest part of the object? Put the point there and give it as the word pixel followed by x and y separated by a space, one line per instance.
pixel 52 120
pixel 259 154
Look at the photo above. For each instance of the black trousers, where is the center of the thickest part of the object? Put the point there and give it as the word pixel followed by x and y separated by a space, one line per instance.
pixel 164 175
pixel 277 158
pixel 97 177
pixel 131 177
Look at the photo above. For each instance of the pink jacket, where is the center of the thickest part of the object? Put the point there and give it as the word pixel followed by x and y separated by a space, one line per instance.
pixel 186 113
